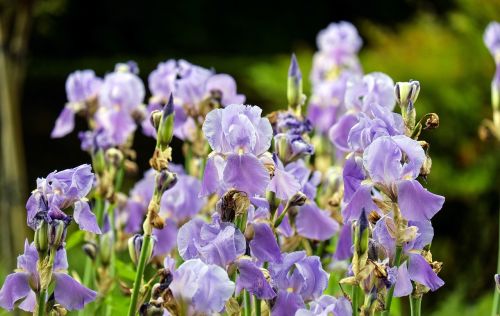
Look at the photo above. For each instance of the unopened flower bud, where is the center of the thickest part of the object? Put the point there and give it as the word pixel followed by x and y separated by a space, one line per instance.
pixel 106 247
pixel 165 180
pixel 407 93
pixel 298 199
pixel 294 91
pixel 135 247
pixel 41 237
pixel 166 126
pixel 497 281
pixel 155 118
pixel 361 237
pixel 291 147
pixel 149 309
pixel 114 157
pixel 90 250
pixel 57 233
pixel 99 162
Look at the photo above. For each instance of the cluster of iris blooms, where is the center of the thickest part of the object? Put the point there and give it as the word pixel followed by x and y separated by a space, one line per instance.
pixel 294 213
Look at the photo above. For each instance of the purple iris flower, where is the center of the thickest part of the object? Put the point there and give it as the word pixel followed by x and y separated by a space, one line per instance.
pixel 226 85
pixel 94 140
pixel 288 123
pixel 181 201
pixel 415 268
pixel 59 191
pixel 202 288
pixel 121 90
pixel 116 124
pixel 379 122
pixel 252 279
pixel 373 88
pixel 308 180
pixel 491 39
pixel 383 161
pixel 339 132
pixel 263 245
pixel 327 305
pixel 215 243
pixel 239 138
pixel 327 103
pixel 338 46
pixel 21 285
pixel 299 279
pixel 81 86
pixel 284 184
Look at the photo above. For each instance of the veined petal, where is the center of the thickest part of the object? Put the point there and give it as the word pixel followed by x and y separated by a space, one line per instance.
pixel 403 285
pixel 85 218
pixel 15 287
pixel 416 203
pixel 246 173
pixel 65 123
pixel 362 199
pixel 420 271
pixel 263 245
pixel 252 279
pixel 70 293
pixel 314 223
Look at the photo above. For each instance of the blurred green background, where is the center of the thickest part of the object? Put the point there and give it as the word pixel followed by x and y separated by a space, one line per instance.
pixel 438 43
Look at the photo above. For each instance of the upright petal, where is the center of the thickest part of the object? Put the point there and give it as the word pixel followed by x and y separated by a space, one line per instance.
pixel 263 245
pixel 283 184
pixel 165 238
pixel 246 173
pixel 362 199
pixel 188 237
pixel 420 271
pixel 15 287
pixel 314 223
pixel 65 123
pixel 70 293
pixel 212 176
pixel 382 160
pixel 287 303
pixel 315 277
pixel 352 175
pixel 84 217
pixel 344 244
pixel 416 203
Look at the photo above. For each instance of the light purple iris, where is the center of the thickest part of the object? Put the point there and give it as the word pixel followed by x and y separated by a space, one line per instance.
pixel 252 279
pixel 327 305
pixel 379 122
pixel 215 243
pixel 327 103
pixel 375 87
pixel 383 161
pixel 116 124
pixel 81 86
pixel 203 288
pixel 20 286
pixel 121 90
pixel 299 279
pixel 239 138
pixel 59 191
pixel 491 39
pixel 415 268
pixel 338 46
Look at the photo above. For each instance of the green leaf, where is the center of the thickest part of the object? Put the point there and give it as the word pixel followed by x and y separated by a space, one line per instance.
pixel 125 270
pixel 75 239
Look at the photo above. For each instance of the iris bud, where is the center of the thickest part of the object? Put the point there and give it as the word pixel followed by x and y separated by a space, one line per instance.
pixel 166 126
pixel 165 180
pixel 106 247
pixel 361 234
pixel 41 237
pixel 90 250
pixel 294 91
pixel 497 281
pixel 135 246
pixel 298 199
pixel 407 93
pixel 57 233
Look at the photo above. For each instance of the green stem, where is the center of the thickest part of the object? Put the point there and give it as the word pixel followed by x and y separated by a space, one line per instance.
pixel 42 298
pixel 278 221
pixel 257 306
pixel 355 300
pixel 415 305
pixel 388 300
pixel 248 304
pixel 139 274
pixel 496 298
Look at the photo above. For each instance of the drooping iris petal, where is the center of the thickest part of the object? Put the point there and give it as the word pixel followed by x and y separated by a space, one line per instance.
pixel 416 203
pixel 70 293
pixel 15 287
pixel 85 218
pixel 263 245
pixel 165 238
pixel 287 303
pixel 344 245
pixel 221 245
pixel 383 237
pixel 252 279
pixel 314 223
pixel 362 199
pixel 118 124
pixel 29 303
pixel 123 90
pixel 339 132
pixel 82 85
pixel 403 286
pixel 65 123
pixel 420 271
pixel 212 175
pixel 425 234
pixel 246 173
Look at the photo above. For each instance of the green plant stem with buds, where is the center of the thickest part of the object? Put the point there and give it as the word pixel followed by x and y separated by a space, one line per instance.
pixel 388 300
pixel 415 305
pixel 45 279
pixel 139 273
pixel 355 300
